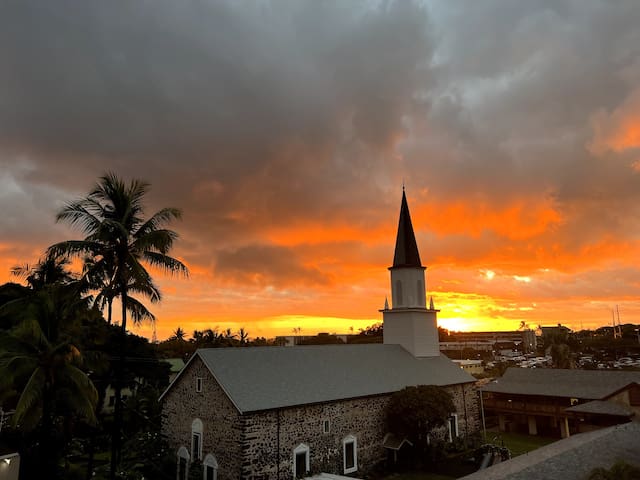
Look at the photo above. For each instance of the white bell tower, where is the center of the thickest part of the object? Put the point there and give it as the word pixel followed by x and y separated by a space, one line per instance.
pixel 409 322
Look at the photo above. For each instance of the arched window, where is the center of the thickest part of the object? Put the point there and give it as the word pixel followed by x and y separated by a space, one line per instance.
pixel 452 425
pixel 300 460
pixel 350 454
pixel 210 468
pixel 196 439
pixel 182 469
pixel 420 297
pixel 399 292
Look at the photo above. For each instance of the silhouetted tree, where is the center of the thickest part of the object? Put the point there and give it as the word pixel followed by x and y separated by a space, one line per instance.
pixel 112 217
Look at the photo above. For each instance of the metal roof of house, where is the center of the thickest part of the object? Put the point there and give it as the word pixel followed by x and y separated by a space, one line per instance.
pixel 586 384
pixel 262 378
pixel 601 407
pixel 572 458
pixel 176 364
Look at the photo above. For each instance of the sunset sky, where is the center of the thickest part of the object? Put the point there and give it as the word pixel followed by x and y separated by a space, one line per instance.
pixel 285 130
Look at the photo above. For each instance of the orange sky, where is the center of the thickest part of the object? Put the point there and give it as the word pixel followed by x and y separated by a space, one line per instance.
pixel 286 131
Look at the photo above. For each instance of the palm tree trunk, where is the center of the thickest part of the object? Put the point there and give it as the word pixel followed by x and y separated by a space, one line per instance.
pixel 48 448
pixel 109 309
pixel 117 420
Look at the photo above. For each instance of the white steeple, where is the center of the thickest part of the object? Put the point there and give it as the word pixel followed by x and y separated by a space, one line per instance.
pixel 409 322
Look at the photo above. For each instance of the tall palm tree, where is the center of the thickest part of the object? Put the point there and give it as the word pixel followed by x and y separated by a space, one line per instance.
pixel 112 218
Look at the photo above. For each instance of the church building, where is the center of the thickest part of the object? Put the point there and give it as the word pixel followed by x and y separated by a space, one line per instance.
pixel 290 412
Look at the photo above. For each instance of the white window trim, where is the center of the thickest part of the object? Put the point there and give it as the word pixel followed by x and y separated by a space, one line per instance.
pixel 196 429
pixel 182 453
pixel 302 448
pixel 455 421
pixel 345 441
pixel 210 461
pixel 198 384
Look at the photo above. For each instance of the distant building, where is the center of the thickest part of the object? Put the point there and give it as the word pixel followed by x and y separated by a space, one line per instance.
pixel 562 402
pixel 524 340
pixel 460 346
pixel 282 412
pixel 470 366
pixel 293 340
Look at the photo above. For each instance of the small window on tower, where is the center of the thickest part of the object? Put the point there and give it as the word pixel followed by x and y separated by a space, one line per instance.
pixel 198 384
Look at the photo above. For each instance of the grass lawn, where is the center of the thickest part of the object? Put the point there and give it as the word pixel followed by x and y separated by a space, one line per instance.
pixel 518 443
pixel 515 442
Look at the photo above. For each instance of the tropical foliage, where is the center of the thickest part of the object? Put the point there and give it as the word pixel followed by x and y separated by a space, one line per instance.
pixel 118 242
pixel 41 374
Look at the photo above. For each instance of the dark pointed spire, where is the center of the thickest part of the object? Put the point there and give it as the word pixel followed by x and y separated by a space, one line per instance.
pixel 406 254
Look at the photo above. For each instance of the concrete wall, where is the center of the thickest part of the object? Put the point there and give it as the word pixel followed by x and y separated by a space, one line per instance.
pixel 9 466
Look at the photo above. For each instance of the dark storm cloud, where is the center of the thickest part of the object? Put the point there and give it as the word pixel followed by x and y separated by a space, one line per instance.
pixel 219 87
pixel 244 114
pixel 254 115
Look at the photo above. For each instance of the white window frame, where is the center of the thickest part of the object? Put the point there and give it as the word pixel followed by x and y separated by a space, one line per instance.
pixel 453 416
pixel 196 430
pixel 302 448
pixel 346 440
pixel 198 384
pixel 182 453
pixel 210 461
pixel 326 425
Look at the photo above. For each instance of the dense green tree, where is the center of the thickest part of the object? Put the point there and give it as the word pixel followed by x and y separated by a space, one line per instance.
pixel 414 412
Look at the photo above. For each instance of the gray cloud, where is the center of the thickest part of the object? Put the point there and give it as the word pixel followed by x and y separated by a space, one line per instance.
pixel 253 115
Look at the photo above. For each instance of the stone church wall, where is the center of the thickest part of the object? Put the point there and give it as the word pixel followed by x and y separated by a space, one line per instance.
pixel 260 445
pixel 222 426
pixel 363 418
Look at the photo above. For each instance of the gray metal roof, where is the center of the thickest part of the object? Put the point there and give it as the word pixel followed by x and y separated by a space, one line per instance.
pixel 262 378
pixel 586 384
pixel 602 407
pixel 572 458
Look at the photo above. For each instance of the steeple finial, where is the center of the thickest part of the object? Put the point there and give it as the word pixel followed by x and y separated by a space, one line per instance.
pixel 386 303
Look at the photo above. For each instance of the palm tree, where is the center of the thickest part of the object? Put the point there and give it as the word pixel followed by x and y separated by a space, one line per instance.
pixel 100 276
pixel 121 241
pixel 41 367
pixel 243 335
pixel 49 270
pixel 179 334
